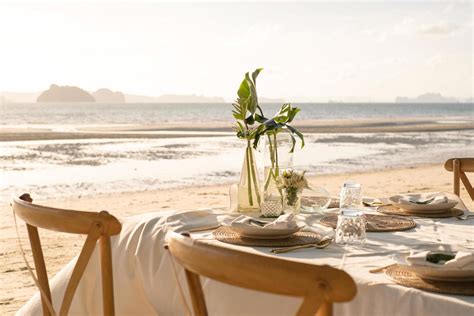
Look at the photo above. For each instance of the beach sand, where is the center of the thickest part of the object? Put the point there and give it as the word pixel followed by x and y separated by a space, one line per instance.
pixel 17 286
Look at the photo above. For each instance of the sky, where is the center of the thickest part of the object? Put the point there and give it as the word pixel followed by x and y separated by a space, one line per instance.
pixel 312 51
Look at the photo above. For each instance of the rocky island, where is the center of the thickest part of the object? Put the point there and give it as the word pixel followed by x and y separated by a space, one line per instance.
pixel 57 93
pixel 108 96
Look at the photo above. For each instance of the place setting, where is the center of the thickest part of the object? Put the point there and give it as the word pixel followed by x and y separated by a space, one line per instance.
pixel 285 231
pixel 447 272
pixel 429 205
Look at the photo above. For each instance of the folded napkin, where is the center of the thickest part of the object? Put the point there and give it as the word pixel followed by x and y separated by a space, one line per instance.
pixel 463 260
pixel 283 222
pixel 427 199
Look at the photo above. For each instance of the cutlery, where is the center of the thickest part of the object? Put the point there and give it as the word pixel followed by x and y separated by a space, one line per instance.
pixel 377 270
pixel 465 216
pixel 323 243
pixel 376 203
pixel 422 202
pixel 257 222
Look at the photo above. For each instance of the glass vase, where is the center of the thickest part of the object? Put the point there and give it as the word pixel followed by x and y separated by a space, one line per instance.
pixel 292 200
pixel 248 189
pixel 277 158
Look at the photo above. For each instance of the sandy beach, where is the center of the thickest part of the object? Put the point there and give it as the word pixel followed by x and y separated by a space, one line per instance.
pixel 17 286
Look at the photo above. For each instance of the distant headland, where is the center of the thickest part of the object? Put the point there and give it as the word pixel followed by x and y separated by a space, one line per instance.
pixel 427 98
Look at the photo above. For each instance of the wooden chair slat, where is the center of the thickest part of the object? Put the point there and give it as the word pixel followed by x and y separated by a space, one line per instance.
pixel 467 185
pixel 79 268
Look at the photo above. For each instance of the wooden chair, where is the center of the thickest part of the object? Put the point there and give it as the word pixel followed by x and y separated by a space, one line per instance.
pixel 97 226
pixel 459 167
pixel 318 285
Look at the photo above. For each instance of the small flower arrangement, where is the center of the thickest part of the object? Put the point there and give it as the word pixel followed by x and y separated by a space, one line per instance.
pixel 293 183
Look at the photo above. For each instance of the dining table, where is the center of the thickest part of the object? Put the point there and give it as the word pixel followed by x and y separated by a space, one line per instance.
pixel 147 281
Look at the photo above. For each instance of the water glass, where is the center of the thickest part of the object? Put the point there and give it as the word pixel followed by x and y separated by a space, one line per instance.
pixel 350 197
pixel 350 229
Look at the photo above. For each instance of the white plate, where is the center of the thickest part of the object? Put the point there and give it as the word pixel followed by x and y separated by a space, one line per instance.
pixel 437 274
pixel 422 208
pixel 265 233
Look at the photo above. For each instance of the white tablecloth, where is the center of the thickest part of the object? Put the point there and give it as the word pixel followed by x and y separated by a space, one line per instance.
pixel 145 284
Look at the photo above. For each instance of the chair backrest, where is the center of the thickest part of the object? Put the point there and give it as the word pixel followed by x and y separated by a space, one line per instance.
pixel 318 285
pixel 97 226
pixel 459 167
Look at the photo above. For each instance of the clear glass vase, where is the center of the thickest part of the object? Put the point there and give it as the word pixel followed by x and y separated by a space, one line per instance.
pixel 292 201
pixel 248 189
pixel 277 158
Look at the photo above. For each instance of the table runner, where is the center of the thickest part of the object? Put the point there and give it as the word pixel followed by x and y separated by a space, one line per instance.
pixel 145 285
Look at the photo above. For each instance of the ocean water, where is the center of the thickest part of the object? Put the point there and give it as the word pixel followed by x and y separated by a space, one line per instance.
pixel 52 168
pixel 144 114
pixel 87 167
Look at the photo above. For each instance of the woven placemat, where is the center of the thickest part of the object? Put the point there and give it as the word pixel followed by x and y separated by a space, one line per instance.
pixel 401 275
pixel 376 223
pixel 227 235
pixel 393 210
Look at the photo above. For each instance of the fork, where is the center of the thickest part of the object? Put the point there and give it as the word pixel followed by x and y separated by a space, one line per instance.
pixel 323 243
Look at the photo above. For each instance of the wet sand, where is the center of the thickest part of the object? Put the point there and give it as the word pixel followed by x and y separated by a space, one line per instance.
pixel 17 287
pixel 206 129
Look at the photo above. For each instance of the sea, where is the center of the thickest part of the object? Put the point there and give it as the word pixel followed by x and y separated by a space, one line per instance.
pixel 85 167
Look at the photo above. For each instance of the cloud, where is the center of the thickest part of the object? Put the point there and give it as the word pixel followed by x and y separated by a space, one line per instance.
pixel 440 28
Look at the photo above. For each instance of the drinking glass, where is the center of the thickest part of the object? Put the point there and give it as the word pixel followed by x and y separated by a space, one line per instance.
pixel 351 224
pixel 350 197
pixel 350 229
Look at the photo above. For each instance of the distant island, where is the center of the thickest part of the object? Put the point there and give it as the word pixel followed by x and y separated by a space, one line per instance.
pixel 57 93
pixel 108 96
pixel 427 98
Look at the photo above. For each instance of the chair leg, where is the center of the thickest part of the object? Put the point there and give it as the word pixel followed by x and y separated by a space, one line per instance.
pixel 40 267
pixel 325 310
pixel 107 275
pixel 197 295
pixel 456 173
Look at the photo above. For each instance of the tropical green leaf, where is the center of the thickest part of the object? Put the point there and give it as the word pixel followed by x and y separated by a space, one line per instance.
pixel 250 120
pixel 298 133
pixel 292 113
pixel 252 99
pixel 293 141
pixel 255 75
pixel 259 118
pixel 244 89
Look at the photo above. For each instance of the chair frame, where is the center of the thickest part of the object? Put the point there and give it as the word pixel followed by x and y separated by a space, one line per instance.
pixel 459 167
pixel 318 285
pixel 98 226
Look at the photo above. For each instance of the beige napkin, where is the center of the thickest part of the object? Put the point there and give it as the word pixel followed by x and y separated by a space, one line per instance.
pixel 439 198
pixel 282 222
pixel 463 260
